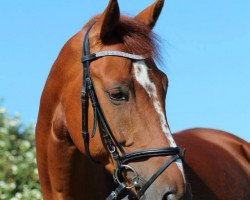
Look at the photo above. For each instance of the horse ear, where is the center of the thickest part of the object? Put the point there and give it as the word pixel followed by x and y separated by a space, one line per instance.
pixel 150 15
pixel 108 19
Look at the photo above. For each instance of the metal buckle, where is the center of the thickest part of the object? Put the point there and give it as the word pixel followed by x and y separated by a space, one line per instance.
pixel 134 181
pixel 112 149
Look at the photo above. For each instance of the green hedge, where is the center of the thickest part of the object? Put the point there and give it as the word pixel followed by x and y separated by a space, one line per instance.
pixel 18 171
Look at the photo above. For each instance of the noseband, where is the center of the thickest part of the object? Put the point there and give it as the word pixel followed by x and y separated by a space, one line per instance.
pixel 115 149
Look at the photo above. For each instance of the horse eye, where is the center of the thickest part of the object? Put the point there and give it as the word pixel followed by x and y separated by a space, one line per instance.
pixel 117 95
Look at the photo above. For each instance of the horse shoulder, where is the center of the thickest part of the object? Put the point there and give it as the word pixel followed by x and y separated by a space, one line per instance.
pixel 216 163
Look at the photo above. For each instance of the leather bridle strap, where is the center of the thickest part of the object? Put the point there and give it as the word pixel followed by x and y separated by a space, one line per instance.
pixel 149 153
pixel 85 96
pixel 156 175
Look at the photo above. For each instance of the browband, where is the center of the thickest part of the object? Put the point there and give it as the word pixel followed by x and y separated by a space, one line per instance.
pixel 112 53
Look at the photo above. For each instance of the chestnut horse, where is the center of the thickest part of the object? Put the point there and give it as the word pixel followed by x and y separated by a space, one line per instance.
pixel 109 65
pixel 130 94
pixel 217 164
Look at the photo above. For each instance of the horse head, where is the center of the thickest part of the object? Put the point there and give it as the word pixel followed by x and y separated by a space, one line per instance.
pixel 122 114
pixel 130 95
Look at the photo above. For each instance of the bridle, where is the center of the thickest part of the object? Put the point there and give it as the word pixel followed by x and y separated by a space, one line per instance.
pixel 115 149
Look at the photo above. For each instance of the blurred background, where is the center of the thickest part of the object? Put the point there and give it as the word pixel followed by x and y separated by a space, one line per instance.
pixel 205 47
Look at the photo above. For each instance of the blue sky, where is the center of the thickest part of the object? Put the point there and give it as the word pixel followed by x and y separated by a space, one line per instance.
pixel 205 46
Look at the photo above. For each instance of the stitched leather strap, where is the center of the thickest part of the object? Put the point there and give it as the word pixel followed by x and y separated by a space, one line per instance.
pixel 148 153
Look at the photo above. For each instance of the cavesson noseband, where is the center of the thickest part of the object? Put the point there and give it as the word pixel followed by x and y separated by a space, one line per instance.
pixel 117 152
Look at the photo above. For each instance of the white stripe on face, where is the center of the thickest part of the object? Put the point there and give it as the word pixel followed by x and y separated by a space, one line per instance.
pixel 142 77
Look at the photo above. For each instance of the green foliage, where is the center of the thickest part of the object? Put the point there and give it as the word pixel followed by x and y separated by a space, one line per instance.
pixel 18 171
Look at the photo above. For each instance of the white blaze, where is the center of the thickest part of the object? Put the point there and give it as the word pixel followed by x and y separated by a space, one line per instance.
pixel 142 77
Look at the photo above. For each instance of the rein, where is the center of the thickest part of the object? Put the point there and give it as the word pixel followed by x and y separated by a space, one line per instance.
pixel 114 148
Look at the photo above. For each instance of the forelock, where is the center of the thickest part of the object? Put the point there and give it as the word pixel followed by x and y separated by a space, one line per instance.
pixel 137 37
